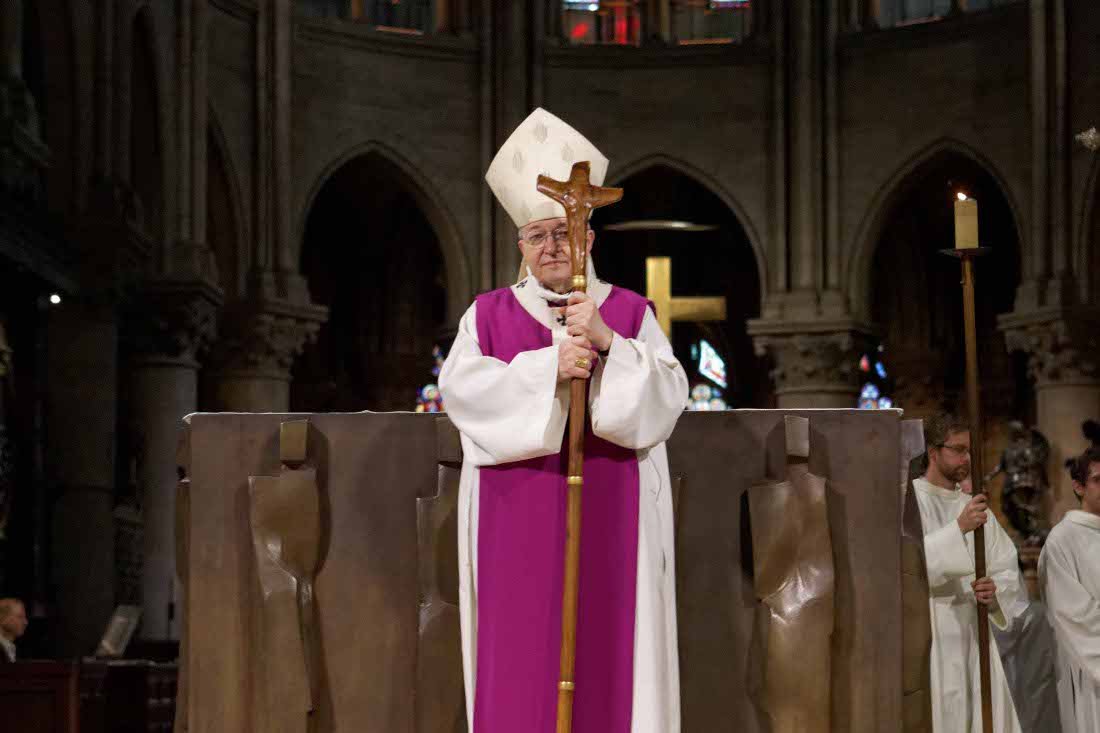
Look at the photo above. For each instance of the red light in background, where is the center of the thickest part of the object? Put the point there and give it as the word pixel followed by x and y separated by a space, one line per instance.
pixel 579 31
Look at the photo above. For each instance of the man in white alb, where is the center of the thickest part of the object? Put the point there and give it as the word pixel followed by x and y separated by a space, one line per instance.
pixel 949 518
pixel 1069 575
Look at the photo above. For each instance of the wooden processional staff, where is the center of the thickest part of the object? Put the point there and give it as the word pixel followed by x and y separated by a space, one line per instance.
pixel 966 250
pixel 579 198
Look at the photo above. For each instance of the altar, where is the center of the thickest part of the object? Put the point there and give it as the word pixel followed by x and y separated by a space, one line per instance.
pixel 319 569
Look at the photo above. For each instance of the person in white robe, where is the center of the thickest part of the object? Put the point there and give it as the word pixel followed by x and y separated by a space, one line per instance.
pixel 1069 576
pixel 949 518
pixel 1027 657
pixel 511 411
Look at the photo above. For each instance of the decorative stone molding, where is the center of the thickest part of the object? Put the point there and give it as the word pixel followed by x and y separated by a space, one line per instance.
pixel 5 353
pixel 821 356
pixel 113 251
pixel 190 259
pixel 1062 345
pixel 171 319
pixel 264 337
pixel 23 155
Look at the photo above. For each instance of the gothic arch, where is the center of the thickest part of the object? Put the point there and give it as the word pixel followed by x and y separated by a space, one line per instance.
pixel 137 39
pixel 233 282
pixel 59 123
pixel 620 173
pixel 889 194
pixel 430 201
pixel 1086 244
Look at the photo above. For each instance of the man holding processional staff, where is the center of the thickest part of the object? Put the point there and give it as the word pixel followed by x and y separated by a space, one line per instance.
pixel 949 518
pixel 969 690
pixel 506 383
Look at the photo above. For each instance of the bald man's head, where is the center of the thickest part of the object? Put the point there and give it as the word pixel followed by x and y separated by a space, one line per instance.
pixel 13 618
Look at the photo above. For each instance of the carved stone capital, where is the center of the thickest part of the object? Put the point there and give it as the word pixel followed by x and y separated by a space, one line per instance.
pixel 263 338
pixel 1062 345
pixel 815 357
pixel 171 319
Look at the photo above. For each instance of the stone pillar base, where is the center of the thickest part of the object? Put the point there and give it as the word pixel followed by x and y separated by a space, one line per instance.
pixel 171 324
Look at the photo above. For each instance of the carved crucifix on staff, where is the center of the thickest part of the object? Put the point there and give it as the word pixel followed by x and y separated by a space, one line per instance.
pixel 579 199
pixel 552 646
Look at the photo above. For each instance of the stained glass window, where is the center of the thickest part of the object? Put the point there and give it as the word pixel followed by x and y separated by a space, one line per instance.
pixel 628 22
pixel 428 398
pixel 875 392
pixel 710 21
pixel 706 398
pixel 403 16
pixel 614 22
pixel 906 12
pixel 708 395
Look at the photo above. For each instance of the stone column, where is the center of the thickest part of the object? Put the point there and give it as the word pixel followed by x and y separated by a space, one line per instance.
pixel 805 184
pixel 814 364
pixel 1063 348
pixel 249 367
pixel 172 323
pixel 512 86
pixel 80 417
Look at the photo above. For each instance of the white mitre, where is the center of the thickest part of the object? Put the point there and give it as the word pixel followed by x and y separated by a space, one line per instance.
pixel 541 145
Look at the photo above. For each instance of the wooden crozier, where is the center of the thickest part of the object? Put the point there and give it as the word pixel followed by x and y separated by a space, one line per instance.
pixel 580 199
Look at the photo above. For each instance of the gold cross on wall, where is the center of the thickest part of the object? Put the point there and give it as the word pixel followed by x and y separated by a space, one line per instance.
pixel 658 288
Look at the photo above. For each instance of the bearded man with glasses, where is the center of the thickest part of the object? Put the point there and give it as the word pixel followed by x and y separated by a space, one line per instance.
pixel 949 518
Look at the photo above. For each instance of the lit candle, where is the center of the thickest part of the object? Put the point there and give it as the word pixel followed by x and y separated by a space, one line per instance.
pixel 966 222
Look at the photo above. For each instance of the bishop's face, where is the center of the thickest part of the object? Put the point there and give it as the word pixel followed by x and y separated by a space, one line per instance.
pixel 1090 490
pixel 544 245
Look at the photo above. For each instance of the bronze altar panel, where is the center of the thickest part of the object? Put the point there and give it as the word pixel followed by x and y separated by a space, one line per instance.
pixel 373 467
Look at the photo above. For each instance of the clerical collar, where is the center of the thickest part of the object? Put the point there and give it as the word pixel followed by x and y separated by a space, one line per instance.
pixel 1083 518
pixel 556 299
pixel 537 300
pixel 928 487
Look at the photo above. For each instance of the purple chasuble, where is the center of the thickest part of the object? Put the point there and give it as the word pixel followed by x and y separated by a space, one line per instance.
pixel 521 550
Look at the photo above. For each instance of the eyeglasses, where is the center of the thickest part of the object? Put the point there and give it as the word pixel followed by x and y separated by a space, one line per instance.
pixel 539 240
pixel 959 450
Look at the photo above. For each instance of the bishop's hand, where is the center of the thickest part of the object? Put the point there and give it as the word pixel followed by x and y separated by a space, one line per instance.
pixel 582 318
pixel 575 358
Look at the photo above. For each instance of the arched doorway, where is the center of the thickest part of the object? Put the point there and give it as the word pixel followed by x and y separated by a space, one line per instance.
pixel 915 299
pixel 222 217
pixel 716 262
pixel 371 256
